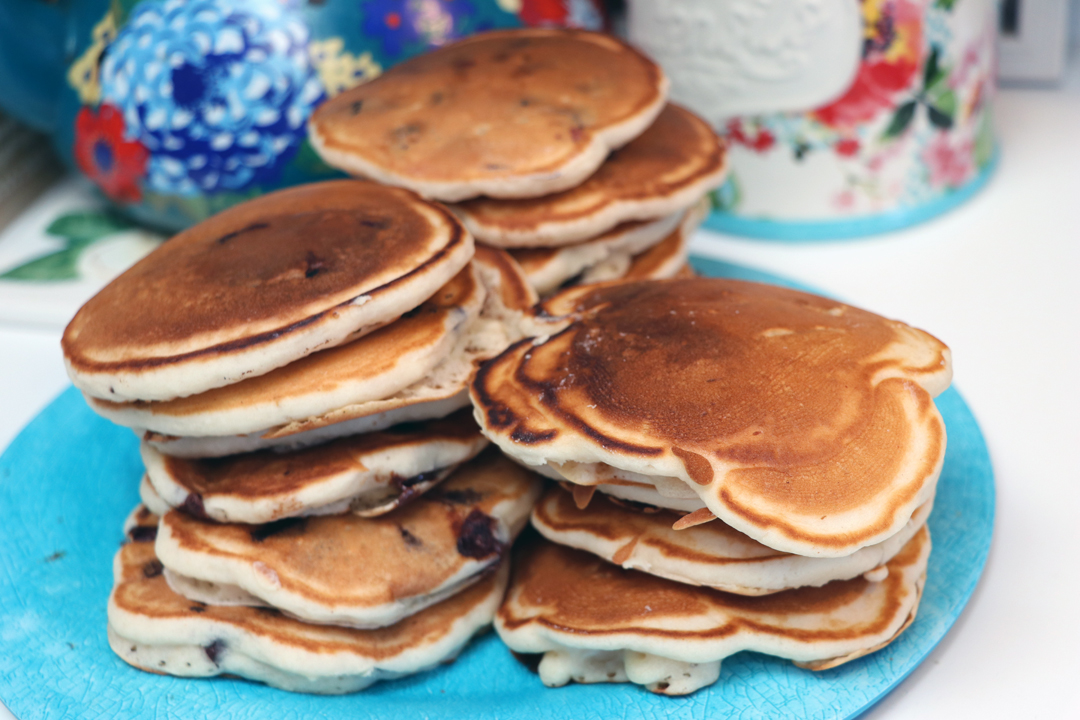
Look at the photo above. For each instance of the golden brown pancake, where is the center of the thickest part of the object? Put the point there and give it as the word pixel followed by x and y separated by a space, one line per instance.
pixel 260 285
pixel 666 259
pixel 663 260
pixel 353 571
pixel 713 554
pixel 596 622
pixel 515 113
pixel 802 422
pixel 154 629
pixel 440 393
pixel 664 170
pixel 549 268
pixel 373 367
pixel 368 474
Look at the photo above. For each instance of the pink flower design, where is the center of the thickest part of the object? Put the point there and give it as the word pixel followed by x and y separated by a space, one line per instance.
pixel 759 139
pixel 950 166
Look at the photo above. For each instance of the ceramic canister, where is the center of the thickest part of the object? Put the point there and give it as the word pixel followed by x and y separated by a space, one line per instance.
pixel 176 109
pixel 843 117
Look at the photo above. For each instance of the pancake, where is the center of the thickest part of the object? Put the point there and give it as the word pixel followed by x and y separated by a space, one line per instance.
pixel 440 393
pixel 373 367
pixel 353 571
pixel 665 170
pixel 663 260
pixel 516 113
pixel 595 622
pixel 260 285
pixel 154 629
pixel 802 422
pixel 667 259
pixel 712 555
pixel 368 474
pixel 549 268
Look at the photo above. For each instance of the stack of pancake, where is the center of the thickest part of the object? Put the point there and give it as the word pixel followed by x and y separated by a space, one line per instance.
pixel 318 510
pixel 557 145
pixel 765 460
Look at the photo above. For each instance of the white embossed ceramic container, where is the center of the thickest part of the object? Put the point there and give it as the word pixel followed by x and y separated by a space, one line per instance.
pixel 843 117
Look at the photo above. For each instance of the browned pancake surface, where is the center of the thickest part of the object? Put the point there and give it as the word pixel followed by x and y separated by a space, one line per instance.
pixel 370 356
pixel 578 594
pixel 608 519
pixel 497 105
pixel 657 262
pixel 801 401
pixel 678 150
pixel 257 271
pixel 512 285
pixel 267 473
pixel 141 590
pixel 345 560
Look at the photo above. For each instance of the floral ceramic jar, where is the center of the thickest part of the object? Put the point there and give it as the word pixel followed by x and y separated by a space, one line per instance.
pixel 179 108
pixel 835 128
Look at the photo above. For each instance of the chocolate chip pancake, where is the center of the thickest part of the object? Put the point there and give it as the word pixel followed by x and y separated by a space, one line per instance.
pixel 516 113
pixel 261 285
pixel 374 367
pixel 551 267
pixel 802 422
pixel 354 571
pixel 712 555
pixel 668 258
pixel 509 299
pixel 595 622
pixel 664 170
pixel 369 474
pixel 154 629
pixel 629 251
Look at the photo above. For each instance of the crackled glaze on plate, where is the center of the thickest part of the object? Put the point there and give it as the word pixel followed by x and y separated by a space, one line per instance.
pixel 70 478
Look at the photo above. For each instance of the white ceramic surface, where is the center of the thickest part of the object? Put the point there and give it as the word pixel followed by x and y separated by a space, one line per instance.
pixel 742 57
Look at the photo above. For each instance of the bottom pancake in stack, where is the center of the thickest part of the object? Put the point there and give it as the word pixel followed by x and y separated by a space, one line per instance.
pixel 593 621
pixel 326 604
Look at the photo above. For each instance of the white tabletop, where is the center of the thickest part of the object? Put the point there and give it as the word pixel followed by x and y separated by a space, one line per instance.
pixel 997 280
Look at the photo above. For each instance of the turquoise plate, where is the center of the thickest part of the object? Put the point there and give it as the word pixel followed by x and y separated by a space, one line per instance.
pixel 69 479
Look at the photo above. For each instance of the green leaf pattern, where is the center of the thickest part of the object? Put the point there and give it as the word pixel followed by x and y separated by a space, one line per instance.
pixel 935 95
pixel 79 230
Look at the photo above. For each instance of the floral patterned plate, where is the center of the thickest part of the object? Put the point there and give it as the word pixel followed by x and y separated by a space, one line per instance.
pixel 70 478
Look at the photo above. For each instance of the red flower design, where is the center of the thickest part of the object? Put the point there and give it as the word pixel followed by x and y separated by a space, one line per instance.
pixel 891 56
pixel 847 147
pixel 543 12
pixel 101 152
pixel 758 141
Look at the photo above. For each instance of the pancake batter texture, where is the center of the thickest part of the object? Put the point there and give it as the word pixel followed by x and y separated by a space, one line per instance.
pixel 715 435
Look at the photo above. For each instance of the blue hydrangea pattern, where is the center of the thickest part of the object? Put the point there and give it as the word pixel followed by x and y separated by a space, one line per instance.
pixel 219 91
